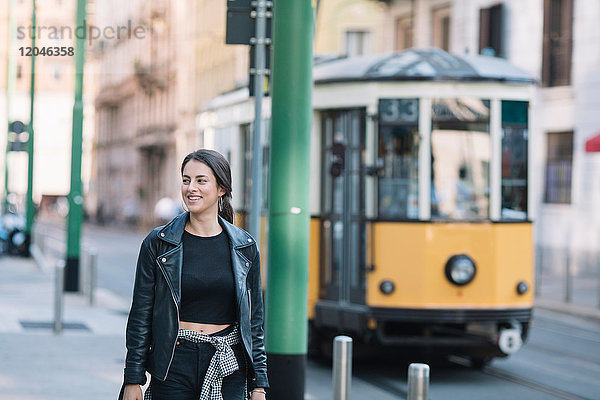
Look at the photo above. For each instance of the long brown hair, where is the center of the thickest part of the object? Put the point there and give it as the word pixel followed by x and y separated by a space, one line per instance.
pixel 222 171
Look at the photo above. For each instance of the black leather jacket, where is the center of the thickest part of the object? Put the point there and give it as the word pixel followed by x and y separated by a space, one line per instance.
pixel 154 317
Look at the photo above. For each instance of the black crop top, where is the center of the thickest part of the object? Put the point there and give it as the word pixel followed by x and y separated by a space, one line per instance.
pixel 207 283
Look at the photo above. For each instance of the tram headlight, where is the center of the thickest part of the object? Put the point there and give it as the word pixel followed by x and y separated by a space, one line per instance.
pixel 387 287
pixel 460 269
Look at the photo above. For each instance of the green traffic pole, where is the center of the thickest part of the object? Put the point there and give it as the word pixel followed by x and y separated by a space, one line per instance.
pixel 75 194
pixel 30 209
pixel 289 215
pixel 10 81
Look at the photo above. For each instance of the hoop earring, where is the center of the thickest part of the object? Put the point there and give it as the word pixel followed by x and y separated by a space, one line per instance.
pixel 221 204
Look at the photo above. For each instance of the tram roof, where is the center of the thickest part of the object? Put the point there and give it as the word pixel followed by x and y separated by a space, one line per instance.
pixel 428 64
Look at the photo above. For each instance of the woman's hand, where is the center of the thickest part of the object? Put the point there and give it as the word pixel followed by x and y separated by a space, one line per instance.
pixel 258 394
pixel 133 392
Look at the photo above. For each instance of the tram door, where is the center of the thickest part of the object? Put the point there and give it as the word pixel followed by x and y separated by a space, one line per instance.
pixel 342 223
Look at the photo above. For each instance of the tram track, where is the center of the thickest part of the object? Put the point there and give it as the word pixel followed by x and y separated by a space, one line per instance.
pixel 383 383
pixel 397 387
pixel 563 353
pixel 580 333
pixel 532 384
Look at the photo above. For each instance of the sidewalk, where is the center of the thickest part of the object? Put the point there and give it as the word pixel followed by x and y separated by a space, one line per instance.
pixel 86 360
pixel 585 296
pixel 562 307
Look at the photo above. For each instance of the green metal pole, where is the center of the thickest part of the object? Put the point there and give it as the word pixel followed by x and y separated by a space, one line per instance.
pixel 30 210
pixel 10 82
pixel 289 214
pixel 76 195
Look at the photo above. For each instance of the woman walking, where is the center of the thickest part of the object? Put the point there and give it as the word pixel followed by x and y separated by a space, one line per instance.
pixel 196 321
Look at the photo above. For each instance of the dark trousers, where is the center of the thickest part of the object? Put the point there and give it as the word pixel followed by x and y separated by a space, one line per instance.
pixel 189 366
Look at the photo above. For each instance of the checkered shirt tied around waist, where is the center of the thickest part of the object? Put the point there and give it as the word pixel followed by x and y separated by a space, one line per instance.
pixel 223 363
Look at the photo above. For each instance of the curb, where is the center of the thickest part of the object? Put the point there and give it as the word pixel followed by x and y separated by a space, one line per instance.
pixel 568 308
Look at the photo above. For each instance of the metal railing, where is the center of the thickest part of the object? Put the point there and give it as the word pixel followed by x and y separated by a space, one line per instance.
pixel 48 252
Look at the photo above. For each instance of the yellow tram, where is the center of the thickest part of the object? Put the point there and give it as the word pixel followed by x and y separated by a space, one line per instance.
pixel 420 199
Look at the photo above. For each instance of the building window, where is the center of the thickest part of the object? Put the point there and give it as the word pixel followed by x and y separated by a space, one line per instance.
pixel 441 28
pixel 404 33
pixel 491 27
pixel 357 43
pixel 460 159
pixel 558 37
pixel 398 158
pixel 559 162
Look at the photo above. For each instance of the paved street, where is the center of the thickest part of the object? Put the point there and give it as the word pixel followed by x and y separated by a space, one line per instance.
pixel 117 249
pixel 560 361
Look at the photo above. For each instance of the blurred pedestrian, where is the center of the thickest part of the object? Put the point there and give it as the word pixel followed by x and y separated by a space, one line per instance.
pixel 466 204
pixel 196 321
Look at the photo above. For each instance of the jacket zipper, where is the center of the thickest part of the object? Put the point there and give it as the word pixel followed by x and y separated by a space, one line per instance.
pixel 250 304
pixel 177 308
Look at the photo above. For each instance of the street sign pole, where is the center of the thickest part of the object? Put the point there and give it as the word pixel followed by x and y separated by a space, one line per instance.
pixel 76 195
pixel 259 83
pixel 10 81
pixel 30 207
pixel 289 214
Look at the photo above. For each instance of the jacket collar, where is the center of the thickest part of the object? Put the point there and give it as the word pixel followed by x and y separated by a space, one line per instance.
pixel 173 231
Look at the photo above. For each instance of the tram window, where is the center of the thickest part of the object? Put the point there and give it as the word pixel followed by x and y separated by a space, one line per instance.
pixel 247 134
pixel 514 159
pixel 398 183
pixel 460 159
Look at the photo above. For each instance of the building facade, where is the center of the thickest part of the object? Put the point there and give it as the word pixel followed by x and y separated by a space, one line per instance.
pixel 149 89
pixel 144 107
pixel 54 96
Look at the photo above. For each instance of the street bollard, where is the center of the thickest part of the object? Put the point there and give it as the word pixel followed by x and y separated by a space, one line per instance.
pixel 93 262
pixel 342 367
pixel 418 381
pixel 568 279
pixel 42 244
pixel 59 295
pixel 84 272
pixel 598 264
